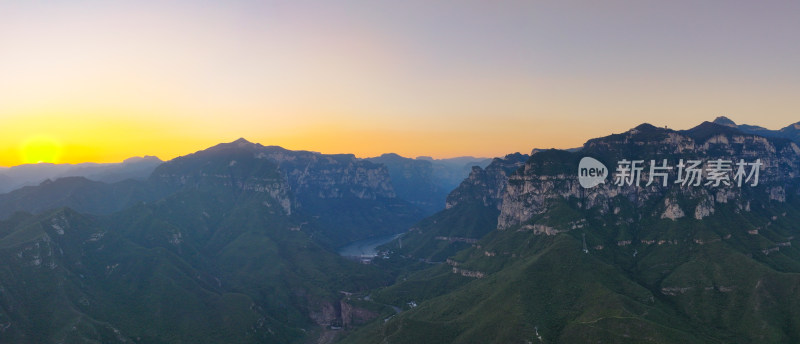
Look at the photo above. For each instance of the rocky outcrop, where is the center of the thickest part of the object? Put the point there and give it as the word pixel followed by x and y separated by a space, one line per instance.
pixel 468 273
pixel 672 210
pixel 354 315
pixel 488 185
pixel 340 315
pixel 540 229
pixel 552 174
pixel 705 208
pixel 325 315
pixel 457 239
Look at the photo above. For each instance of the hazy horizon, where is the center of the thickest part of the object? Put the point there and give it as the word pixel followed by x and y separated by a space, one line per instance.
pixel 376 155
pixel 96 81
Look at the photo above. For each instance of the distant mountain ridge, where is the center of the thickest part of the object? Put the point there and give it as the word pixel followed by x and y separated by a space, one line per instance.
pixel 424 181
pixel 791 132
pixel 138 168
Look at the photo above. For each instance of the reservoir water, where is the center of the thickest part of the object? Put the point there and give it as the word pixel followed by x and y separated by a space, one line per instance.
pixel 366 248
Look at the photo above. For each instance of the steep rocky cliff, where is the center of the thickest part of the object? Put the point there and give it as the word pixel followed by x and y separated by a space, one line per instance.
pixel 471 212
pixel 487 185
pixel 554 174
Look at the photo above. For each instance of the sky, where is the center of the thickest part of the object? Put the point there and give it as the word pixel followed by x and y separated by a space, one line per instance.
pixel 101 81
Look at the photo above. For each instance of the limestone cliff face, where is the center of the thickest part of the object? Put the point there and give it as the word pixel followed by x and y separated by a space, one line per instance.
pixel 553 174
pixel 286 176
pixel 331 176
pixel 487 186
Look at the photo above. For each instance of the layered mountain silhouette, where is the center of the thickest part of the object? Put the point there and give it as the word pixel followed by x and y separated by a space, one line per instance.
pixel 137 168
pixel 236 243
pixel 791 132
pixel 425 182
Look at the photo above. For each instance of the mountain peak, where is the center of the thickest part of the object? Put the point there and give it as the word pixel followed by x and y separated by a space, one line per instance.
pixel 391 156
pixel 708 129
pixel 722 120
pixel 146 158
pixel 239 143
pixel 645 127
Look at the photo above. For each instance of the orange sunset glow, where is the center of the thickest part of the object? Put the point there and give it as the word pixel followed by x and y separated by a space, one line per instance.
pixel 103 81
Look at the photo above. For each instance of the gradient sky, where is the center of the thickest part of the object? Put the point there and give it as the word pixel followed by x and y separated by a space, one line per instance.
pixel 105 80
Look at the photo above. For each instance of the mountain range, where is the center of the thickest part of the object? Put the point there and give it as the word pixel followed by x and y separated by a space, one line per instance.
pixel 555 262
pixel 106 188
pixel 791 132
pixel 230 244
pixel 137 168
pixel 237 243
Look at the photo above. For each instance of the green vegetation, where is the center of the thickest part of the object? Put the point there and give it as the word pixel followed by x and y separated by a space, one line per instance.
pixel 239 248
pixel 730 277
pixel 230 254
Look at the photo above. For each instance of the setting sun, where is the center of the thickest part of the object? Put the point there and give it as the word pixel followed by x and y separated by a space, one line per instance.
pixel 40 149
